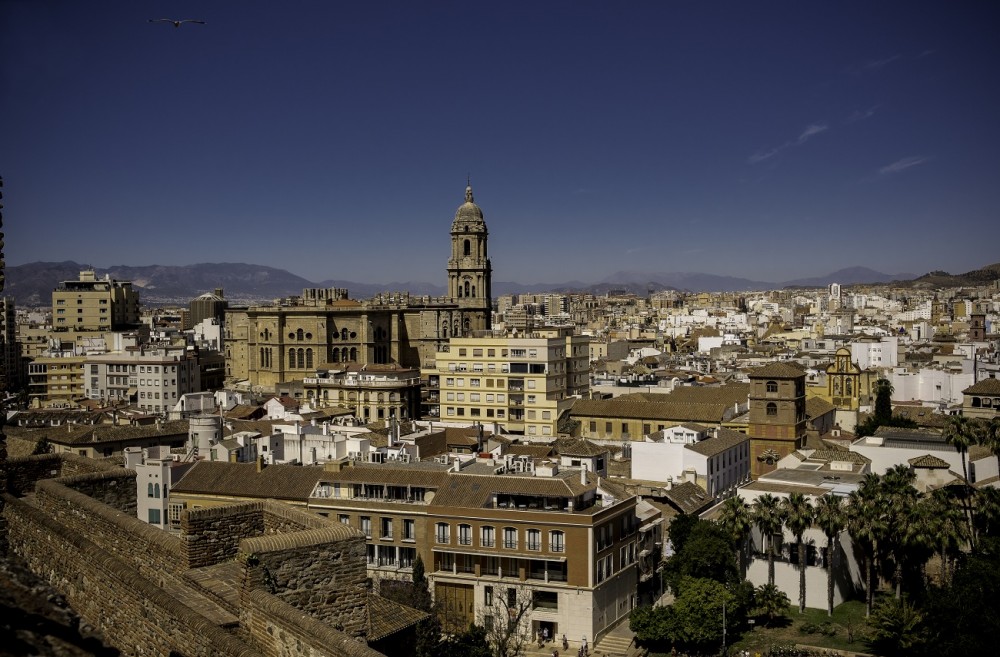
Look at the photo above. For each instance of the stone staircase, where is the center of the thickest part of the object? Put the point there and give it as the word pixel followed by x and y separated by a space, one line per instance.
pixel 612 645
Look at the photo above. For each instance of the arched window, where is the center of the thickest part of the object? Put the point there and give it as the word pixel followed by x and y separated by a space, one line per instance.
pixel 772 386
pixel 466 288
pixel 444 329
pixel 772 408
pixel 467 250
pixel 473 290
pixel 354 354
pixel 262 364
pixel 149 490
pixel 343 334
pixel 291 358
pixel 302 358
pixel 299 334
pixel 309 359
pixel 156 491
pixel 335 355
pixel 459 290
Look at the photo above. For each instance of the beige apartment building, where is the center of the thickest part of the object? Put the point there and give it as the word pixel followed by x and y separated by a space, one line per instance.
pixel 522 384
pixel 94 304
pixel 373 392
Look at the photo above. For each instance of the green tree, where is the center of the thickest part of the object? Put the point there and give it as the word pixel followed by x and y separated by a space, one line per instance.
pixel 831 518
pixel 896 627
pixel 767 517
pixel 706 554
pixel 906 542
pixel 771 602
pixel 864 522
pixel 653 627
pixel 736 520
pixel 798 515
pixel 883 401
pixel 697 614
pixel 470 643
pixel 960 433
pixel 680 528
pixel 946 524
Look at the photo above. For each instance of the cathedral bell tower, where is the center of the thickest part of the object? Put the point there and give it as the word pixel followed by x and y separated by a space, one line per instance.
pixel 469 269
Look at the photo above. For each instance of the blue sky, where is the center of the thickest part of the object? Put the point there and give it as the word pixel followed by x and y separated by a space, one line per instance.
pixel 768 140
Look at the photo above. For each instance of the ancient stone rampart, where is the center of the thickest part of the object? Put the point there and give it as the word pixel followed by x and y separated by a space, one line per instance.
pixel 319 571
pixel 24 471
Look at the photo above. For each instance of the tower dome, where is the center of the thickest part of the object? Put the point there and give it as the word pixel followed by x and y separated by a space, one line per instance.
pixel 468 214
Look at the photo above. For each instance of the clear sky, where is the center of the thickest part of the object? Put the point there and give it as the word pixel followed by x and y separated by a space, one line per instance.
pixel 769 140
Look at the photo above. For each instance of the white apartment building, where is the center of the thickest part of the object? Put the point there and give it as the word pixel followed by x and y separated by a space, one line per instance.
pixel 717 459
pixel 153 378
pixel 876 353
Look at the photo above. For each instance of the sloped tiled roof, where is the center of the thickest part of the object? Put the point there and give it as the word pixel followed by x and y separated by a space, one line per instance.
pixel 816 406
pixel 984 387
pixel 579 447
pixel 104 433
pixel 474 491
pixel 280 482
pixel 778 370
pixel 724 439
pixel 728 394
pixel 928 461
pixel 687 497
pixel 386 617
pixel 613 408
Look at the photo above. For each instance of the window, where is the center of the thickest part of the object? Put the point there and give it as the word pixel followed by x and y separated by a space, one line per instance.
pixel 344 518
pixel 154 516
pixel 534 539
pixel 772 386
pixel 772 408
pixel 386 527
pixel 487 537
pixel 465 535
pixel 443 532
pixel 510 538
pixel 557 541
pixel 366 526
pixel 149 490
pixel 409 530
pixel 488 596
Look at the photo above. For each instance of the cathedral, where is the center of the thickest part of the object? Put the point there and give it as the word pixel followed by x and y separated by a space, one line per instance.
pixel 325 329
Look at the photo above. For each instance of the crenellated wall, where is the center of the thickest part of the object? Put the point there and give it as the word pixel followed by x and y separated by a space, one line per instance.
pixel 304 590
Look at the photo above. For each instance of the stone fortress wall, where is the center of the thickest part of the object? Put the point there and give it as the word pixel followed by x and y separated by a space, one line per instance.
pixel 297 581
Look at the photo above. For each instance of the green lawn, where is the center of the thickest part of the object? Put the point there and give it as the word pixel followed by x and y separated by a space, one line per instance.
pixel 790 632
pixel 847 618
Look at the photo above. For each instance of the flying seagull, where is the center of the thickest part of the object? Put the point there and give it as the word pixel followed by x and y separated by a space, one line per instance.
pixel 175 23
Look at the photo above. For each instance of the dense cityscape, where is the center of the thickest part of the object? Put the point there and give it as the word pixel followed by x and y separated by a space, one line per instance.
pixel 499 329
pixel 604 473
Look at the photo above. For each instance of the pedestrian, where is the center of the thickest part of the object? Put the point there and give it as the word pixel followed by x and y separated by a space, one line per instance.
pixel 545 635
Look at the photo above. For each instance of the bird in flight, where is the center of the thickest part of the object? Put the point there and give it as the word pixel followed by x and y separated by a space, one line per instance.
pixel 175 23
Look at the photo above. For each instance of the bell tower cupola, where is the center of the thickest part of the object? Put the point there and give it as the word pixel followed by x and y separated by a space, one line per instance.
pixel 469 269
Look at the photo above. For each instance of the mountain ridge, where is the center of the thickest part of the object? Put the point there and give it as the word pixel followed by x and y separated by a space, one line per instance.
pixel 31 284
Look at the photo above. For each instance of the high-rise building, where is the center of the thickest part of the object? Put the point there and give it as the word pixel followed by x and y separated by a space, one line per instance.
pixel 95 304
pixel 522 383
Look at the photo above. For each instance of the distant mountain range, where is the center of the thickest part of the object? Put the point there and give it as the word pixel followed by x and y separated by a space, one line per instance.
pixel 31 284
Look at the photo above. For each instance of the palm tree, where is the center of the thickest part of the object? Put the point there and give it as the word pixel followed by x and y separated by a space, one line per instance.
pixel 905 536
pixel 737 521
pixel 831 518
pixel 767 517
pixel 961 434
pixel 771 600
pixel 947 525
pixel 798 515
pixel 864 524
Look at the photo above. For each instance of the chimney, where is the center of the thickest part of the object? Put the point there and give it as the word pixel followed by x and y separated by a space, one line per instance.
pixel 458 465
pixel 583 473
pixel 260 463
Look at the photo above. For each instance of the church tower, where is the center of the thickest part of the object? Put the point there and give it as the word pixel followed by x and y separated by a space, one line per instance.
pixel 469 269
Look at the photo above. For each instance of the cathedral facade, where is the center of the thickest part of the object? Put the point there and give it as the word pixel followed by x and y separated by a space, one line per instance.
pixel 324 329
